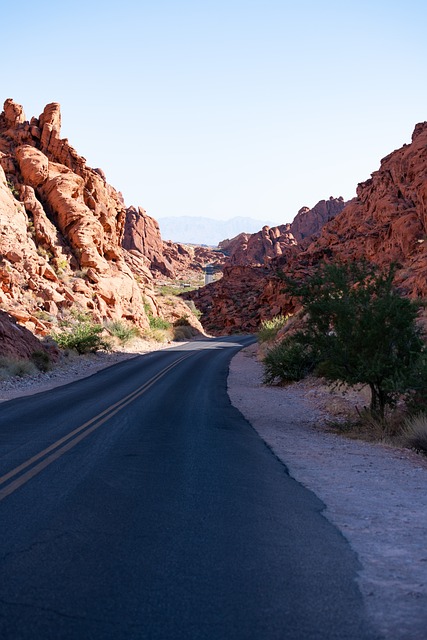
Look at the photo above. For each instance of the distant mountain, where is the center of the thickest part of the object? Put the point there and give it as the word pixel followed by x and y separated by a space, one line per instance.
pixel 198 230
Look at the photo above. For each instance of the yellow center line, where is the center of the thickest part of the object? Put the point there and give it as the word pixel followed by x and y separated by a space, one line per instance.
pixel 80 433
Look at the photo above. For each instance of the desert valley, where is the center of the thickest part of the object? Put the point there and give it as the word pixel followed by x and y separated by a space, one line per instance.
pixel 68 241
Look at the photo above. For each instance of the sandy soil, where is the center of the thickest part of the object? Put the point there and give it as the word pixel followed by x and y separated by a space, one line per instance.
pixel 376 495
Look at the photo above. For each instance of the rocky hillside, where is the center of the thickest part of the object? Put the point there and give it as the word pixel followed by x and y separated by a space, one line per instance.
pixel 386 222
pixel 62 229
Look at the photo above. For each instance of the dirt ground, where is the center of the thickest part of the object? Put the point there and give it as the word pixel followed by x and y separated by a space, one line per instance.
pixel 375 494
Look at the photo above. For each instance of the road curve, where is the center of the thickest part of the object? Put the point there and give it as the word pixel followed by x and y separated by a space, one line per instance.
pixel 139 504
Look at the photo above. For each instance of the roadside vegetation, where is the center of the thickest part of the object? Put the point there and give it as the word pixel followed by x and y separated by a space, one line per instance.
pixel 270 328
pixel 79 333
pixel 357 330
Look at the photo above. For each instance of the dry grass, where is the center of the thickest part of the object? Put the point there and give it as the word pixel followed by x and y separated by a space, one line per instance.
pixel 16 367
pixel 415 433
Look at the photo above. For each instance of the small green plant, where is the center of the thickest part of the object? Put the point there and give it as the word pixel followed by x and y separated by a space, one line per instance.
pixel 169 290
pixel 43 315
pixel 60 265
pixel 123 331
pixel 270 328
pixel 13 189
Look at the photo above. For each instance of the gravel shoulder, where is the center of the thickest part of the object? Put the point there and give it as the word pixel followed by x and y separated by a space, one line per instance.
pixel 375 494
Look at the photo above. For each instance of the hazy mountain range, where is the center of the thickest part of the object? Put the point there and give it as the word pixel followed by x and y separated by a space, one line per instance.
pixel 199 230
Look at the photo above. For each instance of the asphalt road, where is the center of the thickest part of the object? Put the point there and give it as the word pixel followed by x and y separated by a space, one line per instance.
pixel 139 504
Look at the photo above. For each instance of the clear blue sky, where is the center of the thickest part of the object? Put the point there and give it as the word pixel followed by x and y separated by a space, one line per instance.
pixel 226 107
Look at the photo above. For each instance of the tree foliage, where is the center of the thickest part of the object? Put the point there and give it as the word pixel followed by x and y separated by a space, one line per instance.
pixel 358 329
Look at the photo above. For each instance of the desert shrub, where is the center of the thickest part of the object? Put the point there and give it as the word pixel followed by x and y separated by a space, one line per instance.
pixel 16 367
pixel 123 331
pixel 158 335
pixel 181 333
pixel 288 361
pixel 183 321
pixel 194 310
pixel 158 323
pixel 415 433
pixel 270 328
pixel 41 359
pixel 82 336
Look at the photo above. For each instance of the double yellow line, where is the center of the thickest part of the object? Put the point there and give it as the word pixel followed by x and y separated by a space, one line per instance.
pixel 44 458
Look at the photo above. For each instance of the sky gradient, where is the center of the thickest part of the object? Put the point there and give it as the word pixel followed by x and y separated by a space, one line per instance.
pixel 225 108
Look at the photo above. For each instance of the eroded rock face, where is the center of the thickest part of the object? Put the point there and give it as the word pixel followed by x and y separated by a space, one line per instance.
pixel 385 223
pixel 61 229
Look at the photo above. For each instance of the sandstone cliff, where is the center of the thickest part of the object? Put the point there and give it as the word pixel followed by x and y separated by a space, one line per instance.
pixel 386 222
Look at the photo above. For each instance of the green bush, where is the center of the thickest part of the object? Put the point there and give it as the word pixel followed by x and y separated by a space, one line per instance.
pixel 158 323
pixel 83 337
pixel 123 331
pixel 288 361
pixel 270 328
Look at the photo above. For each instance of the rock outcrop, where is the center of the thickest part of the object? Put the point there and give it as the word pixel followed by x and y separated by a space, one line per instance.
pixel 18 342
pixel 272 242
pixel 61 227
pixel 308 223
pixel 385 223
pixel 259 248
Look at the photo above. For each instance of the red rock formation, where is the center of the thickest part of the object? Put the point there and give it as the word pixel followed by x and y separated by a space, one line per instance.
pixel 385 223
pixel 309 222
pixel 170 259
pixel 61 229
pixel 259 248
